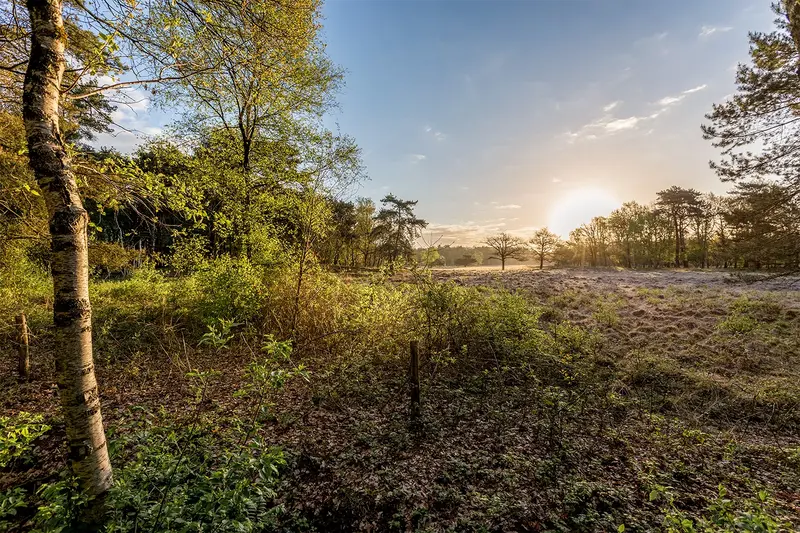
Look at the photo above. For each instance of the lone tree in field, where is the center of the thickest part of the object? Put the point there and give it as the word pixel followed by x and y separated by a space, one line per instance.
pixel 506 246
pixel 543 243
pixel 154 42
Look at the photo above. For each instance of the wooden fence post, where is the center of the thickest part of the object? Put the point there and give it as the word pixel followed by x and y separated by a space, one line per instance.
pixel 415 401
pixel 24 361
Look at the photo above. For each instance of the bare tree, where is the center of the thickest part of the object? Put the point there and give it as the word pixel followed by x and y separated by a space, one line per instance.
pixel 505 247
pixel 543 243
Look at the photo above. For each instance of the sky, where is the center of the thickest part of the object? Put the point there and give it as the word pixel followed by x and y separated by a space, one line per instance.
pixel 512 115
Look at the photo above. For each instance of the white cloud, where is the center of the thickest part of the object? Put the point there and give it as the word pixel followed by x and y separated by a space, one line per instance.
pixel 507 206
pixel 622 124
pixel 695 89
pixel 466 233
pixel 556 180
pixel 670 100
pixel 416 158
pixel 132 121
pixel 708 31
pixel 606 125
pixel 612 105
pixel 438 135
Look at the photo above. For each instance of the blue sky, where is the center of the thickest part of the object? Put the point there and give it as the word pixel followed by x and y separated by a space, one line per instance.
pixel 472 107
pixel 511 115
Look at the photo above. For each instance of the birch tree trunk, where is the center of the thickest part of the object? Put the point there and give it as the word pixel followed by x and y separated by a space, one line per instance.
pixel 72 314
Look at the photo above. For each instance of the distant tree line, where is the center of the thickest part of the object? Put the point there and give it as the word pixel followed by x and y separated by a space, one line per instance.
pixel 684 228
pixel 755 227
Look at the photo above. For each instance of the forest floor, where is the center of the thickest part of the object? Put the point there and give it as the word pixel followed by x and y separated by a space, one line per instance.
pixel 691 383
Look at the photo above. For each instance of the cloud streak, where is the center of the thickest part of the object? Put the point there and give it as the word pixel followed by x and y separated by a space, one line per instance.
pixel 608 124
pixel 671 100
pixel 708 31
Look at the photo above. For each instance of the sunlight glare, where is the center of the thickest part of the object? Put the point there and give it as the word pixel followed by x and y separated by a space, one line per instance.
pixel 580 206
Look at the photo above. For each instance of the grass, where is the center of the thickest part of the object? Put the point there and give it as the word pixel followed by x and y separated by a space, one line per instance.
pixel 544 408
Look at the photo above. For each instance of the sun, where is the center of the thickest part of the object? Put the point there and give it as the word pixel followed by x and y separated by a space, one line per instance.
pixel 580 206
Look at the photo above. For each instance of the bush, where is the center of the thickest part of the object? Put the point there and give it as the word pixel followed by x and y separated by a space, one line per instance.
pixel 111 259
pixel 338 320
pixel 226 288
pixel 188 253
pixel 16 435
pixel 169 477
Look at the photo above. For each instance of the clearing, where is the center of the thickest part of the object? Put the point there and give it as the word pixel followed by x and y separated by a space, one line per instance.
pixel 561 400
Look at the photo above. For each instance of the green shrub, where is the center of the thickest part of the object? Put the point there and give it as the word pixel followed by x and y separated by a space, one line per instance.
pixel 109 258
pixel 724 516
pixel 191 479
pixel 188 253
pixel 16 435
pixel 170 478
pixel 226 288
pixel 25 287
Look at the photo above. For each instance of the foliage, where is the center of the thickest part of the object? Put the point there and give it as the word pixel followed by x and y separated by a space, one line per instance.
pixel 16 435
pixel 173 478
pixel 108 258
pixel 60 507
pixel 11 501
pixel 756 131
pixel 218 335
pixel 722 515
pixel 227 288
pixel 206 481
pixel 188 254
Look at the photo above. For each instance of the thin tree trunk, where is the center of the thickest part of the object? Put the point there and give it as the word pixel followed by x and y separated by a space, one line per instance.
pixel 24 355
pixel 72 313
pixel 677 245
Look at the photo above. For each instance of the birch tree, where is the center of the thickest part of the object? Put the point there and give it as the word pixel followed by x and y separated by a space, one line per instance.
pixel 146 43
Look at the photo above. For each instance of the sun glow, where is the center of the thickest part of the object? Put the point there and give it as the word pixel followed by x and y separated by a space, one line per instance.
pixel 580 206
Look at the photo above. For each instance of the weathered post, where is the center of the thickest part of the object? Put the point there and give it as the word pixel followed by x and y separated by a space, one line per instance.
pixel 415 402
pixel 24 361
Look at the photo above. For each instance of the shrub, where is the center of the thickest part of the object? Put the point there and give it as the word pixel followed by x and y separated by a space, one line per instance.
pixel 111 259
pixel 227 288
pixel 172 478
pixel 188 253
pixel 16 435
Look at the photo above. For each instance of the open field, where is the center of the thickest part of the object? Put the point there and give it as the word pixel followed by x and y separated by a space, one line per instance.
pixel 551 401
pixel 525 276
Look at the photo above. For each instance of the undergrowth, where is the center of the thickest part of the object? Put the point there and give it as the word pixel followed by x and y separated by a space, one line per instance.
pixel 292 416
